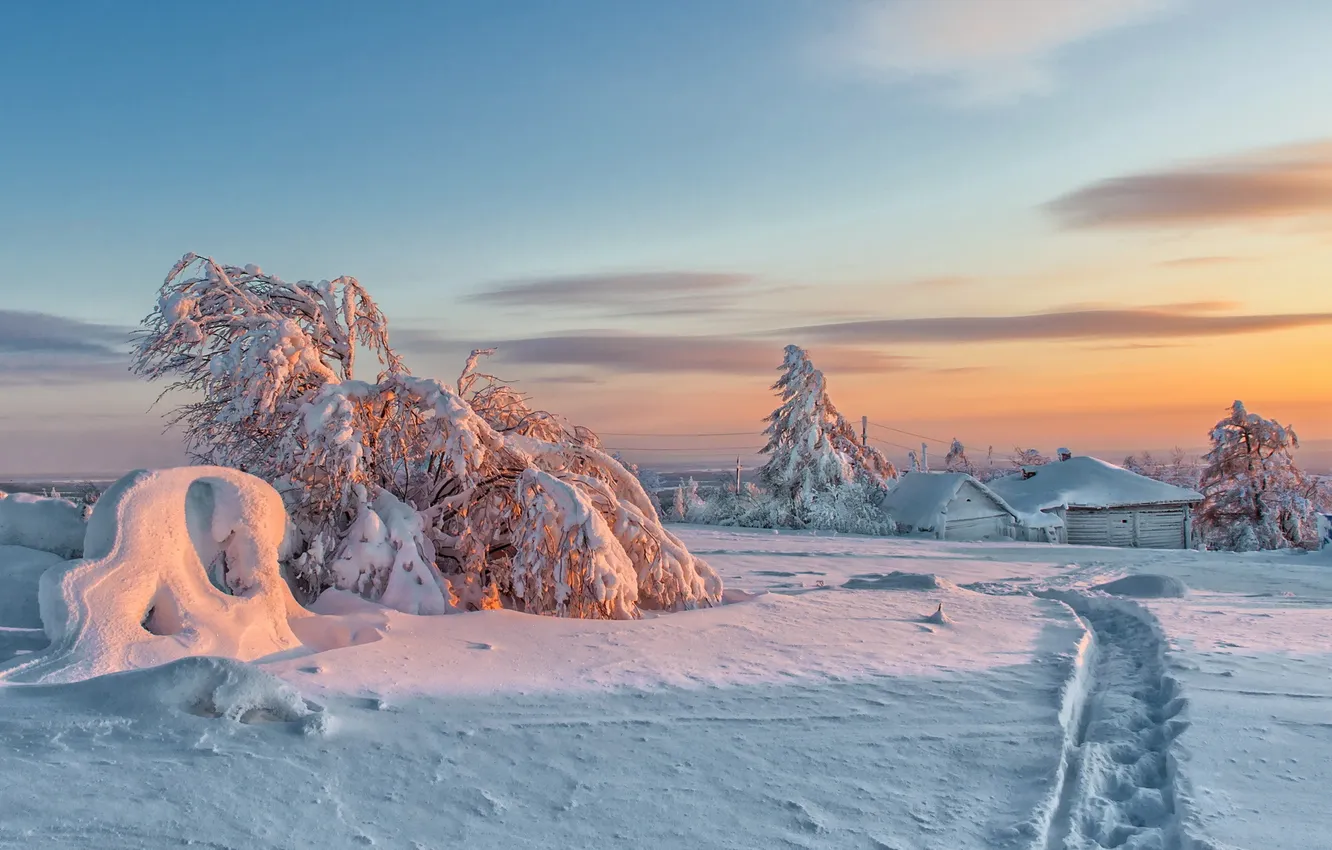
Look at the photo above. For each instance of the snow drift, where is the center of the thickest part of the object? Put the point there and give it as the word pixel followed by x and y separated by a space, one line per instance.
pixel 1145 586
pixel 179 562
pixel 37 522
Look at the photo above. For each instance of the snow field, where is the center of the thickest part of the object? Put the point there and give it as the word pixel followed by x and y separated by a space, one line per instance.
pixel 824 713
pixel 819 717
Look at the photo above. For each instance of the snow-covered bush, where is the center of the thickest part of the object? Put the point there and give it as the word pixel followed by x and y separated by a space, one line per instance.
pixel 394 484
pixel 1255 497
pixel 851 508
pixel 48 523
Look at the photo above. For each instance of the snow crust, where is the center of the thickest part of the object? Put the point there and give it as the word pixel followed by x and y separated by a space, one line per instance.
pixel 1085 482
pixel 38 522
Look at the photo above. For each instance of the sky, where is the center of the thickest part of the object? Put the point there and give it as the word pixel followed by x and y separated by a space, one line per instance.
pixel 1082 223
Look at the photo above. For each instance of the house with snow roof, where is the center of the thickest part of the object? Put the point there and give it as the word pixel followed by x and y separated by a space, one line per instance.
pixel 1099 504
pixel 949 506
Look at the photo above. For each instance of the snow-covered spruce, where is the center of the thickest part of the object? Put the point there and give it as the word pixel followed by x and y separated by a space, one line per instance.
pixel 818 473
pixel 395 484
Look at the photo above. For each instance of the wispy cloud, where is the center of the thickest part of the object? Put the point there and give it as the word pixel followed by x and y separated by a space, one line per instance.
pixel 644 293
pixel 1204 261
pixel 23 332
pixel 978 52
pixel 1132 346
pixel 1281 183
pixel 636 353
pixel 642 353
pixel 941 282
pixel 40 348
pixel 1188 320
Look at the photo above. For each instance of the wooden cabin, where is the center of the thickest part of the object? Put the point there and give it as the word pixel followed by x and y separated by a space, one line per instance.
pixel 1100 504
pixel 949 506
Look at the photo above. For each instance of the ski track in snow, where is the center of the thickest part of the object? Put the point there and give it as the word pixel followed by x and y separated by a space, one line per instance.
pixel 1120 775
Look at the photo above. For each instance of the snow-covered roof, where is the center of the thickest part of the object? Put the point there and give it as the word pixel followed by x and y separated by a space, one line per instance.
pixel 1086 482
pixel 918 498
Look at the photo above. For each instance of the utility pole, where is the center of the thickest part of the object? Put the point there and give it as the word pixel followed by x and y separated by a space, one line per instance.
pixel 924 458
pixel 737 476
pixel 864 430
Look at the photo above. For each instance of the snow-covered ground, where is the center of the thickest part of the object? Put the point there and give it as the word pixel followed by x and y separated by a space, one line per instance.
pixel 818 709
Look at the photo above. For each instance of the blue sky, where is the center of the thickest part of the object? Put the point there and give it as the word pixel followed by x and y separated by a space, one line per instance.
pixel 840 160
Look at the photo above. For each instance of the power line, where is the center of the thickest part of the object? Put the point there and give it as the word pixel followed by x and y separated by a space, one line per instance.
pixel 715 434
pixel 911 433
pixel 894 445
pixel 699 449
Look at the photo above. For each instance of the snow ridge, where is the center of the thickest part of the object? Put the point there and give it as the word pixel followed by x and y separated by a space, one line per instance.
pixel 1119 785
pixel 1072 708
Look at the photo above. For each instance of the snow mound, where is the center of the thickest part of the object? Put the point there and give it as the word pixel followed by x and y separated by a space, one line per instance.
pixel 37 522
pixel 20 572
pixel 178 562
pixel 938 618
pixel 898 580
pixel 383 559
pixel 1145 586
pixel 212 688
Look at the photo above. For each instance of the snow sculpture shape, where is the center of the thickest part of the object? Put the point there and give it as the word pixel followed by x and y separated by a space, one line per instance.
pixel 178 562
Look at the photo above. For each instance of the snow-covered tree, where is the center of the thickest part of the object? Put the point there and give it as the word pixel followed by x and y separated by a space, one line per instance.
pixel 956 460
pixel 1255 496
pixel 680 505
pixel 650 479
pixel 1028 457
pixel 393 482
pixel 1178 470
pixel 811 448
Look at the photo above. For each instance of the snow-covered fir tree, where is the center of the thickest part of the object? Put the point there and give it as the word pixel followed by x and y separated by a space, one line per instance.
pixel 414 493
pixel 812 450
pixel 1255 496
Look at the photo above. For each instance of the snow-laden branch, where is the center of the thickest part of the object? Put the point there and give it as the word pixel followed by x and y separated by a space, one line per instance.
pixel 420 495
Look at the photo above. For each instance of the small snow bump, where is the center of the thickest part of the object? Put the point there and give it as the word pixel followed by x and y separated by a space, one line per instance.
pixel 1145 586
